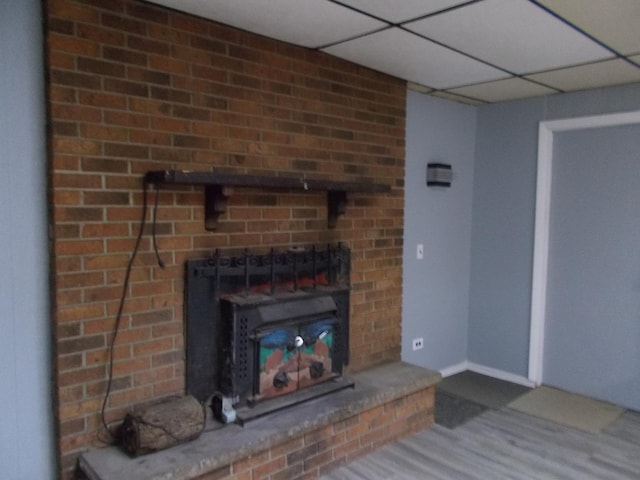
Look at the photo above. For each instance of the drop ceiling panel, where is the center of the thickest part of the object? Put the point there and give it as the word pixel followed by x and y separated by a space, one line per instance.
pixel 523 37
pixel 509 89
pixel 614 22
pixel 396 12
pixel 310 23
pixel 515 35
pixel 593 75
pixel 408 56
pixel 458 98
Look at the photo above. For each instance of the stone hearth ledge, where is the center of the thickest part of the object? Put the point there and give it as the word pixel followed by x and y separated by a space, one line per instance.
pixel 220 447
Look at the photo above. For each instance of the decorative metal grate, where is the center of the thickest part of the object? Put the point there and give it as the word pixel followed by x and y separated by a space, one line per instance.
pixel 219 346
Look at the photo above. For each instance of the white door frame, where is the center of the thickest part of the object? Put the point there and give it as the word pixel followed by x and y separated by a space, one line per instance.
pixel 546 131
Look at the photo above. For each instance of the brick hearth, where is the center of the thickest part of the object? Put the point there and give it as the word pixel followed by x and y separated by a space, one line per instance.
pixel 134 87
pixel 304 441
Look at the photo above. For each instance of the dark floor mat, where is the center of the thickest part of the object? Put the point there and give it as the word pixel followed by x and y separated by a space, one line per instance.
pixel 453 411
pixel 481 389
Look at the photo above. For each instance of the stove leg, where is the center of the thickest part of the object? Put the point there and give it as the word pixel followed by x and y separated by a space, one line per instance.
pixel 223 408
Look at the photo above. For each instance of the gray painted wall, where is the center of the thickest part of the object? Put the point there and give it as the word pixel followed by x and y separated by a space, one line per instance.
pixel 503 217
pixel 592 330
pixel 502 234
pixel 436 289
pixel 26 446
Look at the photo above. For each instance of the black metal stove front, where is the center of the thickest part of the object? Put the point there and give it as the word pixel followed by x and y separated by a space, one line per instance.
pixel 267 331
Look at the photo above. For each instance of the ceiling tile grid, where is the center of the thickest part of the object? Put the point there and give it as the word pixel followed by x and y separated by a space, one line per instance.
pixel 308 23
pixel 475 51
pixel 509 89
pixel 515 35
pixel 592 75
pixel 439 67
pixel 401 11
pixel 612 22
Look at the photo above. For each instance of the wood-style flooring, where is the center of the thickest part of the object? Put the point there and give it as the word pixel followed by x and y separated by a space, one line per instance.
pixel 505 444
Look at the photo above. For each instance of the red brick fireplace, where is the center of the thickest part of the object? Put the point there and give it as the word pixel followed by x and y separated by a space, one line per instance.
pixel 134 88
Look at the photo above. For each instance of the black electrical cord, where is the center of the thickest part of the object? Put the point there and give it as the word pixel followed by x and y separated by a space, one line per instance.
pixel 153 228
pixel 125 287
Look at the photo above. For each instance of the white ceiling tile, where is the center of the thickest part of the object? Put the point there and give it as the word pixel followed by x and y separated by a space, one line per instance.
pixel 396 12
pixel 416 87
pixel 613 22
pixel 515 35
pixel 458 98
pixel 310 23
pixel 610 72
pixel 509 89
pixel 512 34
pixel 407 56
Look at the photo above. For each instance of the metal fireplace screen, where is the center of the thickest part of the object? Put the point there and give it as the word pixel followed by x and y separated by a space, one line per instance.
pixel 261 326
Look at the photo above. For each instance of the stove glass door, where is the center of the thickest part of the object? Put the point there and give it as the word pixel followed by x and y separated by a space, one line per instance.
pixel 293 357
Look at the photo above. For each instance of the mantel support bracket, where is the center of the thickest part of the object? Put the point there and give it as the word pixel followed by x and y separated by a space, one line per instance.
pixel 336 206
pixel 215 204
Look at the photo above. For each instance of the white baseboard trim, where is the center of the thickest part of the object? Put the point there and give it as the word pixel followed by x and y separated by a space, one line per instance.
pixel 501 374
pixel 453 369
pixel 488 371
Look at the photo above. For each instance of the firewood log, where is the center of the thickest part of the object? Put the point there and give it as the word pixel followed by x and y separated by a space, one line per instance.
pixel 163 425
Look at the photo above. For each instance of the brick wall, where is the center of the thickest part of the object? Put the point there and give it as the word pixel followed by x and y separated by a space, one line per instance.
pixel 134 87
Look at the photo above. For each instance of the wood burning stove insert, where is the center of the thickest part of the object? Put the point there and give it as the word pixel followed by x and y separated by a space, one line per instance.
pixel 267 331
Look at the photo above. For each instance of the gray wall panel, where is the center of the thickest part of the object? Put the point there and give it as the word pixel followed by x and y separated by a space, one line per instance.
pixel 503 217
pixel 26 445
pixel 436 289
pixel 593 294
pixel 502 238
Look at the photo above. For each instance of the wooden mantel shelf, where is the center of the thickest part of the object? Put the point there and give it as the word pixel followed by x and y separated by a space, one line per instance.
pixel 218 187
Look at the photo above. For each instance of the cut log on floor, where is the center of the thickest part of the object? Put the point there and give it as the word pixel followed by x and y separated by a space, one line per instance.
pixel 163 425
